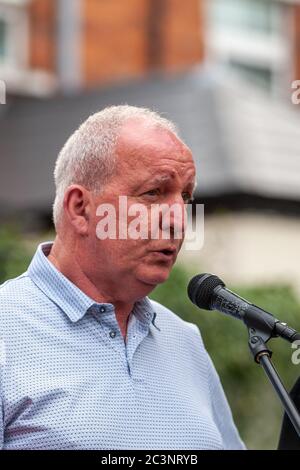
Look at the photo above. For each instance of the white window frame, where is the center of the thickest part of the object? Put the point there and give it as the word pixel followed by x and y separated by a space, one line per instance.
pixel 15 69
pixel 255 49
pixel 17 40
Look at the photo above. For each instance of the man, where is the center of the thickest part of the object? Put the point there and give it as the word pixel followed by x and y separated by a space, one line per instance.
pixel 90 362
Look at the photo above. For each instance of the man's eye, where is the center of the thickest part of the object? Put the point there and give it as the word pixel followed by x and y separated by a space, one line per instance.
pixel 153 192
pixel 187 197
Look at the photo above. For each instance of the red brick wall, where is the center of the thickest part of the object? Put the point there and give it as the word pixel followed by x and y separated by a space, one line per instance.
pixel 296 73
pixel 42 34
pixel 183 42
pixel 122 38
pixel 114 40
pixel 129 38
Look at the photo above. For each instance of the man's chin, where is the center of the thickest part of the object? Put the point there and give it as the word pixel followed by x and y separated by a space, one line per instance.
pixel 154 278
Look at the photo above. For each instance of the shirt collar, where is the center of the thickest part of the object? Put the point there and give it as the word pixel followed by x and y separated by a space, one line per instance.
pixel 144 311
pixel 68 296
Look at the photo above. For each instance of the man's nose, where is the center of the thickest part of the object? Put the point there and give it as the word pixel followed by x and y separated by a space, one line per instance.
pixel 173 219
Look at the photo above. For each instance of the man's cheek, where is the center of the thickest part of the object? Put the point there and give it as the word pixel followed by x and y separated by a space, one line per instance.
pixel 181 243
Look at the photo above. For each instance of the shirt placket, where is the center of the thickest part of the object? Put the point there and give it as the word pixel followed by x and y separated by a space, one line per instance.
pixel 110 333
pixel 136 332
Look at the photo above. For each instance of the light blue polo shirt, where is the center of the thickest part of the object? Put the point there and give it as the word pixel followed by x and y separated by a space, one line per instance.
pixel 69 381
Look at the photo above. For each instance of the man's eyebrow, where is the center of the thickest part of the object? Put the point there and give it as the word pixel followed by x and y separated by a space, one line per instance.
pixel 156 180
pixel 165 178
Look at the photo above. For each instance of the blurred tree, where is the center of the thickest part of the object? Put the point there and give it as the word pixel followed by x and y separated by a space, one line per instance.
pixel 14 257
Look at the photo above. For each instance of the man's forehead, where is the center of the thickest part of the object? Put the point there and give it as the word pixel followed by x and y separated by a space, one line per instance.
pixel 139 135
pixel 145 151
pixel 152 148
pixel 144 176
pixel 156 166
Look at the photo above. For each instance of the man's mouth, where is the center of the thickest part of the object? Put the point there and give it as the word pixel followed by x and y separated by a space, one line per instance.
pixel 166 254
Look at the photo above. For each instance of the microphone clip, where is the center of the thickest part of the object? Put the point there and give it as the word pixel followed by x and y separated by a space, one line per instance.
pixel 257 344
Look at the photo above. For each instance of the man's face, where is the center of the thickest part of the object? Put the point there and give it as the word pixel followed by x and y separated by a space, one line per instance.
pixel 153 167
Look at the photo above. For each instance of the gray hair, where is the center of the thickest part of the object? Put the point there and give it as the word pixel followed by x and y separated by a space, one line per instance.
pixel 88 157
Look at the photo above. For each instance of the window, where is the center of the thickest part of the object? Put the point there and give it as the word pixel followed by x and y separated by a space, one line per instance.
pixel 260 76
pixel 248 36
pixel 13 35
pixel 3 34
pixel 250 15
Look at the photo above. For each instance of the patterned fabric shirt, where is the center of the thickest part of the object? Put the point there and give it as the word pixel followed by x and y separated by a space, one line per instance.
pixel 70 381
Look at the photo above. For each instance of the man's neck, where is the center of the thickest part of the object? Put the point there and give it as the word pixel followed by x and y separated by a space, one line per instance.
pixel 70 268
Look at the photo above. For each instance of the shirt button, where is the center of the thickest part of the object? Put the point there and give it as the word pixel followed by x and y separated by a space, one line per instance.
pixel 112 334
pixel 102 309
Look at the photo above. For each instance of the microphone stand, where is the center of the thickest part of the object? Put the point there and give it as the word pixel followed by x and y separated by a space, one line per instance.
pixel 262 355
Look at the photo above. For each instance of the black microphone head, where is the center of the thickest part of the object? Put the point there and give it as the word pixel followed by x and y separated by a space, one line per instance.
pixel 201 288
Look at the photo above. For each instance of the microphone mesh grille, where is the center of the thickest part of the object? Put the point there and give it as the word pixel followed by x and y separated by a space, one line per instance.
pixel 201 287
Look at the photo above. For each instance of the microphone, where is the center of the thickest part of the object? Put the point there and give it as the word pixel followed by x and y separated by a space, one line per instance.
pixel 209 292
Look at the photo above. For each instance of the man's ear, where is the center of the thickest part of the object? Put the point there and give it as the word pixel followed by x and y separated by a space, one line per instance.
pixel 77 208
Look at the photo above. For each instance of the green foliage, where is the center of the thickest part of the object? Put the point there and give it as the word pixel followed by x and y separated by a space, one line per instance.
pixel 14 257
pixel 256 409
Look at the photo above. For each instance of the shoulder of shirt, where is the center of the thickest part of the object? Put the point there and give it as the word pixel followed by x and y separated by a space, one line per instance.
pixel 10 284
pixel 15 290
pixel 165 315
pixel 16 297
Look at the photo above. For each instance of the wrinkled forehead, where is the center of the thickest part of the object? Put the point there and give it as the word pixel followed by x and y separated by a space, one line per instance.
pixel 148 153
pixel 142 142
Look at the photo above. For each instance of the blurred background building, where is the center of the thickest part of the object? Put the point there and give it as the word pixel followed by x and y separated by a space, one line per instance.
pixel 221 69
